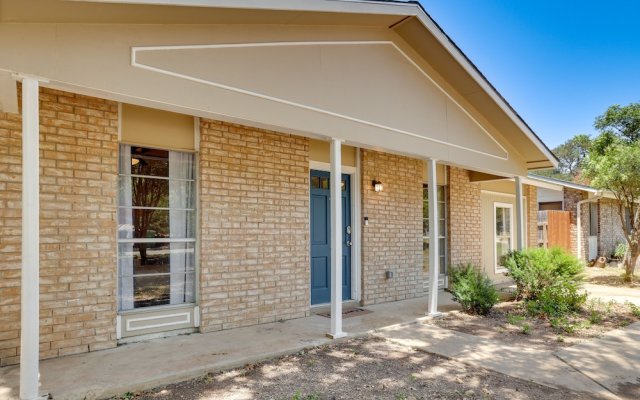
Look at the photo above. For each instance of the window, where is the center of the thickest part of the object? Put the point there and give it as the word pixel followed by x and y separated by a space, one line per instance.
pixel 593 219
pixel 503 233
pixel 442 228
pixel 156 227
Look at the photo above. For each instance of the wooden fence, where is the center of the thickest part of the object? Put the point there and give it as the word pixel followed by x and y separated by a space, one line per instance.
pixel 554 229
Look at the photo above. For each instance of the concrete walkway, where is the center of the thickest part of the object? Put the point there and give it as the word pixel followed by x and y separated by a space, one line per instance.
pixel 617 294
pixel 600 367
pixel 145 365
pixel 612 360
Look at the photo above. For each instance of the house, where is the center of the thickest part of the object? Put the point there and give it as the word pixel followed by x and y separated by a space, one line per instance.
pixel 595 228
pixel 174 167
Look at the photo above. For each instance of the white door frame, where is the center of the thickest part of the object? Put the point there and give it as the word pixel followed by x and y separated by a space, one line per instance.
pixel 354 173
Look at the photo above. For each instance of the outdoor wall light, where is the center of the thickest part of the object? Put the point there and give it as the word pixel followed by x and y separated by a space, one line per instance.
pixel 377 186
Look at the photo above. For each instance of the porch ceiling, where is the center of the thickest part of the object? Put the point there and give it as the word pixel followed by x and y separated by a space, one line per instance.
pixel 378 74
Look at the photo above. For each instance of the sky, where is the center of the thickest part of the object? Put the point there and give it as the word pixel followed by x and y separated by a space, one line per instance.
pixel 559 63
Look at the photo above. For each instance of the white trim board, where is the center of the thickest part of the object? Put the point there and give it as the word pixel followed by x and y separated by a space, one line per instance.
pixel 496 204
pixel 354 173
pixel 138 49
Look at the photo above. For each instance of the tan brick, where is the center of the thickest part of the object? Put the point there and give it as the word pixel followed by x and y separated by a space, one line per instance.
pixel 393 239
pixel 246 243
pixel 465 218
pixel 67 142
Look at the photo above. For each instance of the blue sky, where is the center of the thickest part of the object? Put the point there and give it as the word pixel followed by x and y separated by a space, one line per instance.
pixel 559 63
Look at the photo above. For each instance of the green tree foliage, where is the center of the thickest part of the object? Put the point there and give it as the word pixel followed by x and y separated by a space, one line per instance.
pixel 570 154
pixel 623 122
pixel 613 164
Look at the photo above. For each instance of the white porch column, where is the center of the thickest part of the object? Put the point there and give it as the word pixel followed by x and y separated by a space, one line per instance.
pixel 336 240
pixel 30 296
pixel 434 243
pixel 520 220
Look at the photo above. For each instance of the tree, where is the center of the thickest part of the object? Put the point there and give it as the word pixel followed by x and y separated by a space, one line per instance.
pixel 613 164
pixel 570 156
pixel 623 122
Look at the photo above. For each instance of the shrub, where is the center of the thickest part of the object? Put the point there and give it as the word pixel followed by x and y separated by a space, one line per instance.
pixel 620 251
pixel 535 269
pixel 473 289
pixel 558 299
pixel 549 281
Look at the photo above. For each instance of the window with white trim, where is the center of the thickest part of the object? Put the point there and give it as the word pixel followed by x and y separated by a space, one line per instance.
pixel 156 227
pixel 442 228
pixel 503 233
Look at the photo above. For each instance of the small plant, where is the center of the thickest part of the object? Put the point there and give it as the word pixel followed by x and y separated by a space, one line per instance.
pixel 401 396
pixel 515 319
pixel 473 289
pixel 560 339
pixel 621 251
pixel 593 308
pixel 562 324
pixel 300 396
pixel 526 329
pixel 635 310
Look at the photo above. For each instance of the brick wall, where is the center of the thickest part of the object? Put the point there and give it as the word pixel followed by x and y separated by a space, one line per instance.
pixel 532 218
pixel 571 199
pixel 610 232
pixel 78 159
pixel 465 219
pixel 254 192
pixel 393 239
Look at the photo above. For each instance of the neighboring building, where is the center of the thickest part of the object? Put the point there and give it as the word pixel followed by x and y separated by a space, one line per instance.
pixel 599 230
pixel 185 166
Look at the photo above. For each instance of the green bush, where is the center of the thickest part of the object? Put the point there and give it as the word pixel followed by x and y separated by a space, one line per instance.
pixel 559 299
pixel 549 281
pixel 472 289
pixel 620 251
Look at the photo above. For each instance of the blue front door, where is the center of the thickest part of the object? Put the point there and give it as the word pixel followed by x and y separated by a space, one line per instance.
pixel 321 238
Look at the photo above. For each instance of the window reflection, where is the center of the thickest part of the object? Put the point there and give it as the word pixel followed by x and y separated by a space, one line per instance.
pixel 156 227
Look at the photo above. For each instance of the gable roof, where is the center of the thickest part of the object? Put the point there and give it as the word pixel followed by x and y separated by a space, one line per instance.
pixel 408 19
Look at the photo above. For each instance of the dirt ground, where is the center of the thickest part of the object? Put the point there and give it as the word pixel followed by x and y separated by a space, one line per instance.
pixel 365 368
pixel 508 322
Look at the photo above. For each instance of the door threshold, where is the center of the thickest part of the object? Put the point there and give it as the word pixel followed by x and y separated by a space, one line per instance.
pixel 346 304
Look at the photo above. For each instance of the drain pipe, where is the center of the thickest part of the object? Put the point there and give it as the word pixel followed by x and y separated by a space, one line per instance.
pixel 597 197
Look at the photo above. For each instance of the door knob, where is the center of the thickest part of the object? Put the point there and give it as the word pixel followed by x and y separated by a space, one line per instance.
pixel 348 243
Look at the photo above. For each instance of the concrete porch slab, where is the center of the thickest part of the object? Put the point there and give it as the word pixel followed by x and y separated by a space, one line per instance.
pixel 148 364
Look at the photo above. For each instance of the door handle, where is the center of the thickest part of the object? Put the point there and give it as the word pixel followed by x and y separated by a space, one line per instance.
pixel 348 243
pixel 349 230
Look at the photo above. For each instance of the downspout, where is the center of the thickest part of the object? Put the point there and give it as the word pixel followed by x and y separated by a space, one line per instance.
pixel 597 197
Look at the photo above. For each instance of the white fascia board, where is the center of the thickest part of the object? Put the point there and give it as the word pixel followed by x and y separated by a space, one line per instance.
pixel 551 183
pixel 344 6
pixel 483 82
pixel 541 184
